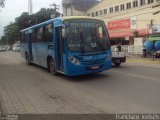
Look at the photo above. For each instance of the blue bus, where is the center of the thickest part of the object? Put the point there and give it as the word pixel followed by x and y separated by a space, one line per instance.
pixel 68 45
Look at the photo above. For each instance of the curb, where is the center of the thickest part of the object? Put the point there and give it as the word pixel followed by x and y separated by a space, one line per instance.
pixel 143 61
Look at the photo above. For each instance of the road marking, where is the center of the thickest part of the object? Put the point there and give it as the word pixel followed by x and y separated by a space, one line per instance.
pixel 138 76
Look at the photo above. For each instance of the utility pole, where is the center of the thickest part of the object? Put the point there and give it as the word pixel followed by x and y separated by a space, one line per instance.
pixel 30 7
pixel 154 6
pixel 151 24
pixel 55 9
pixel 30 10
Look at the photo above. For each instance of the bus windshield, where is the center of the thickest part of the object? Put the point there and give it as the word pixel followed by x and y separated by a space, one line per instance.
pixel 86 35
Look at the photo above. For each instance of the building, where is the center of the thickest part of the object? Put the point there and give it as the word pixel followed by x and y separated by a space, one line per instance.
pixel 127 20
pixel 77 7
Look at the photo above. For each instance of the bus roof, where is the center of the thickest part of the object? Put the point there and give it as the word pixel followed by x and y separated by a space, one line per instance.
pixel 78 17
pixel 60 18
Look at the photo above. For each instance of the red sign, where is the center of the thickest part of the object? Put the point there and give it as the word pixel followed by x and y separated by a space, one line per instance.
pixel 143 31
pixel 120 24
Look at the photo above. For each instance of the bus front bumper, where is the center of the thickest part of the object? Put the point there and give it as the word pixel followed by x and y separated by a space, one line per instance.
pixel 76 70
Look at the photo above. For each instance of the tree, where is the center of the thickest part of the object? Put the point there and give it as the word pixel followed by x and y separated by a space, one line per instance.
pixel 2 3
pixel 11 32
pixel 25 20
pixel 3 40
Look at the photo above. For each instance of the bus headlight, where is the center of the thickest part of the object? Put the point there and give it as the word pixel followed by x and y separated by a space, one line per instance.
pixel 74 60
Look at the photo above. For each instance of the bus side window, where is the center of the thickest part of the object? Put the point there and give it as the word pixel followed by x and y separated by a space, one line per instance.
pixel 26 37
pixel 48 33
pixel 22 37
pixel 39 34
pixel 33 36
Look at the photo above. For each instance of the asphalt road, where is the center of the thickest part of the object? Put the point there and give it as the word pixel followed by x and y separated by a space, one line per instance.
pixel 132 88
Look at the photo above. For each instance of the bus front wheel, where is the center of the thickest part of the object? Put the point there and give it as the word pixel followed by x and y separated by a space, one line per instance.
pixel 117 64
pixel 52 67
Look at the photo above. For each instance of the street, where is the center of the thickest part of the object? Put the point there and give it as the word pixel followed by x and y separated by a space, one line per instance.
pixel 132 88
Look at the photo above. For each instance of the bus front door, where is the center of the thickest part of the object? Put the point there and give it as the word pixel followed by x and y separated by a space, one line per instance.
pixel 59 52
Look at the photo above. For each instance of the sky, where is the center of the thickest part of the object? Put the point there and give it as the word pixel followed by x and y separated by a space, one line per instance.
pixel 14 8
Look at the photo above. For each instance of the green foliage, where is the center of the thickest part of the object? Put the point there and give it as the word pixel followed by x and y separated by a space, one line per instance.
pixel 12 31
pixel 26 20
pixel 3 40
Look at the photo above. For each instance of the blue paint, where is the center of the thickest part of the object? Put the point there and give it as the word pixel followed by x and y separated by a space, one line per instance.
pixel 40 51
pixel 157 45
pixel 149 45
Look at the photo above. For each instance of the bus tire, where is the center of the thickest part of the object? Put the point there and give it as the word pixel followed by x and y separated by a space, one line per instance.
pixel 117 64
pixel 27 59
pixel 51 66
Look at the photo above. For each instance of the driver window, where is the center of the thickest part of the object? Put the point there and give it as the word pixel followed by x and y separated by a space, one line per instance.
pixel 100 32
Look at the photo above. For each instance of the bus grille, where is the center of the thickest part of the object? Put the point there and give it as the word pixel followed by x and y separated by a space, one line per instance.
pixel 93 62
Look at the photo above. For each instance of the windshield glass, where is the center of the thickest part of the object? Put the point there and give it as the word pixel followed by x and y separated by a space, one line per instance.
pixel 86 35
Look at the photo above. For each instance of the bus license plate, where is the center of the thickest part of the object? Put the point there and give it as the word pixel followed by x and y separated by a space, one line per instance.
pixel 94 67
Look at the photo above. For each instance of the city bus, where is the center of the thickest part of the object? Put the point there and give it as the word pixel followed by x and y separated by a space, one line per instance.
pixel 68 45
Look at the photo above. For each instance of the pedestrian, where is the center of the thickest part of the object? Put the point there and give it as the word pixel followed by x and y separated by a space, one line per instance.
pixel 119 47
pixel 144 52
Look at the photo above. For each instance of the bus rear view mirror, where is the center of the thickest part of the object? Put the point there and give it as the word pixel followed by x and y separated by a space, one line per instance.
pixel 63 33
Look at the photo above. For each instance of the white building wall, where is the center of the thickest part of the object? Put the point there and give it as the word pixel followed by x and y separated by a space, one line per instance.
pixel 70 11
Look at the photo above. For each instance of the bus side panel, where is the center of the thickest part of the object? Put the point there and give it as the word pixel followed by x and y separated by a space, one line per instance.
pixel 35 53
pixel 43 53
pixel 40 53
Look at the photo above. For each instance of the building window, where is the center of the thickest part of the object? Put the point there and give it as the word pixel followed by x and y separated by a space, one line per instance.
pixel 92 14
pixel 111 10
pixel 128 5
pixel 116 8
pixel 101 12
pixel 135 3
pixel 88 14
pixel 142 2
pixel 122 7
pixel 150 1
pixel 96 13
pixel 105 11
